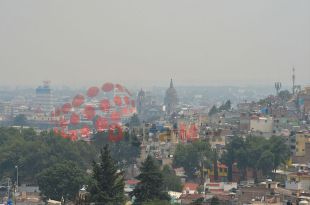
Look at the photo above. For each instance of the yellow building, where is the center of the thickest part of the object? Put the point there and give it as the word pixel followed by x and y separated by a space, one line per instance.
pixel 168 135
pixel 301 140
pixel 222 170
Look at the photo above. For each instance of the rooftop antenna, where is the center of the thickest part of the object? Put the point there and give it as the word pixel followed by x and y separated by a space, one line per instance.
pixel 277 86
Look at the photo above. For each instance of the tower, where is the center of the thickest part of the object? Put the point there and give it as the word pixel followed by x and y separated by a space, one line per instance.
pixel 44 98
pixel 141 101
pixel 293 78
pixel 171 99
pixel 277 86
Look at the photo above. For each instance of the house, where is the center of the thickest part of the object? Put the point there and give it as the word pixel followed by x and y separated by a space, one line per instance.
pixel 175 196
pixel 302 147
pixel 298 181
pixel 29 193
pixel 180 172
pixel 262 125
pixel 216 187
pixel 222 171
pixel 190 188
pixel 130 185
pixel 301 139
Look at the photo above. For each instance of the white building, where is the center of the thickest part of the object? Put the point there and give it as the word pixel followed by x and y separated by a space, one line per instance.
pixel 262 125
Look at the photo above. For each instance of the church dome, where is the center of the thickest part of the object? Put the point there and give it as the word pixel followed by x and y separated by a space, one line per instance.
pixel 171 98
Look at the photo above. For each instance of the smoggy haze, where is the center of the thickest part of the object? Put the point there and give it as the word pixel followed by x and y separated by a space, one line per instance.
pixel 147 42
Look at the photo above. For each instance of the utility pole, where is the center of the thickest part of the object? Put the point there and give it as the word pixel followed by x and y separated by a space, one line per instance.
pixel 16 178
pixel 8 188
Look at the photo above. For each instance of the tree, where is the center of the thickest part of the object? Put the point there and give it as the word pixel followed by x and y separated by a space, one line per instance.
pixel 264 162
pixel 198 201
pixel 134 121
pixel 215 201
pixel 280 150
pixel 257 153
pixel 230 155
pixel 193 157
pixel 213 110
pixel 62 180
pixel 125 151
pixel 20 120
pixel 284 95
pixel 151 185
pixel 157 202
pixel 171 181
pixel 228 105
pixel 108 184
pixel 33 152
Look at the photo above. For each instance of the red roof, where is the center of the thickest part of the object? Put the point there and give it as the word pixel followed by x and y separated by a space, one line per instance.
pixel 213 184
pixel 220 165
pixel 190 186
pixel 132 181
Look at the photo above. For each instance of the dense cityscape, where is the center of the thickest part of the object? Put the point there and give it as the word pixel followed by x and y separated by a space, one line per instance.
pixel 160 102
pixel 201 151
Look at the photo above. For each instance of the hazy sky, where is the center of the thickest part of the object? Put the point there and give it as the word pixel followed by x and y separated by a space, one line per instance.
pixel 145 42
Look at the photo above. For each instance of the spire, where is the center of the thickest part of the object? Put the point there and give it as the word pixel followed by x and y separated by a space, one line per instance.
pixel 171 83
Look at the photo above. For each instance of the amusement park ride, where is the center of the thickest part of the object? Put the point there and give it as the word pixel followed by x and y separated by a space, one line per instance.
pixel 103 108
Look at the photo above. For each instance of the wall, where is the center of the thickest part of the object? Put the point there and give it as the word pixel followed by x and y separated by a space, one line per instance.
pixel 262 124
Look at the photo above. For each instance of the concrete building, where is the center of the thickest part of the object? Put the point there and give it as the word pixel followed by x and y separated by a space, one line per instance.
pixel 140 102
pixel 302 138
pixel 5 109
pixel 44 98
pixel 215 187
pixel 298 181
pixel 262 125
pixel 304 101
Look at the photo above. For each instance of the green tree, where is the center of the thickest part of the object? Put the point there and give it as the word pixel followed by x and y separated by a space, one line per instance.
pixel 213 110
pixel 230 155
pixel 280 150
pixel 185 156
pixel 171 181
pixel 198 201
pixel 257 153
pixel 61 181
pixel 125 151
pixel 193 157
pixel 33 152
pixel 228 105
pixel 134 121
pixel 284 95
pixel 157 202
pixel 151 185
pixel 264 162
pixel 215 201
pixel 107 186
